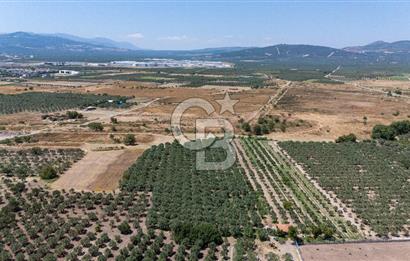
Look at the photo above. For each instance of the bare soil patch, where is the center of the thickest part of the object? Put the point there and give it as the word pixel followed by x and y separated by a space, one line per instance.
pixel 392 251
pixel 110 179
pixel 98 170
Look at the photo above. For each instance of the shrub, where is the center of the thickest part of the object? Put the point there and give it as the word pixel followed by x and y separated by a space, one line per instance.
pixel 390 132
pixel 48 172
pixel 257 129
pixel 129 139
pixel 347 138
pixel 74 115
pixel 114 120
pixel 383 132
pixel 401 127
pixel 125 228
pixel 96 126
pixel 246 127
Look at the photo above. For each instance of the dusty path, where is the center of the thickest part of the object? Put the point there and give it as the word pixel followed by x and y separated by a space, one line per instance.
pixel 273 100
pixel 97 171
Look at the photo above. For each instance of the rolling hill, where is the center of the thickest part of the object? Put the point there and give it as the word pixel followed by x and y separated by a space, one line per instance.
pixel 62 47
pixel 382 47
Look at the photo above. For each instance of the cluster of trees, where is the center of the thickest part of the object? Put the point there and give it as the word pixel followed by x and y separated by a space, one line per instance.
pixel 69 115
pixel 203 233
pixel 392 131
pixel 266 125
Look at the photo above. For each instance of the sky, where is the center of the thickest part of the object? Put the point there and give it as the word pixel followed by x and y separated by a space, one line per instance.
pixel 178 24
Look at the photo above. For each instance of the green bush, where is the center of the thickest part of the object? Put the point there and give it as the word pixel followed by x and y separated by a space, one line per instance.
pixel 74 115
pixel 347 138
pixel 383 132
pixel 96 126
pixel 392 131
pixel 129 139
pixel 125 228
pixel 48 172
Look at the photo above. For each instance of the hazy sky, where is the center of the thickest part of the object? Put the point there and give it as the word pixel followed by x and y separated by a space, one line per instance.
pixel 198 24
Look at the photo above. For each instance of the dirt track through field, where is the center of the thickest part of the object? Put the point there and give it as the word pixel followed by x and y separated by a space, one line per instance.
pixel 97 171
pixel 273 100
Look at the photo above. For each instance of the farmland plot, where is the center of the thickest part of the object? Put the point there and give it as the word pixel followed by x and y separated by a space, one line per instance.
pixel 37 224
pixel 292 196
pixel 50 102
pixel 182 194
pixel 370 178
pixel 29 162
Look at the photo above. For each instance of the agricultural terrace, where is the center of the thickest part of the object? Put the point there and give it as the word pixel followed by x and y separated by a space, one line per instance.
pixel 294 199
pixel 188 199
pixel 30 162
pixel 49 102
pixel 369 177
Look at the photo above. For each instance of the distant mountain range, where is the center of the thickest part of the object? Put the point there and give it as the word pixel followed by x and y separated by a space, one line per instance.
pixel 68 47
pixel 63 47
pixel 382 47
pixel 98 41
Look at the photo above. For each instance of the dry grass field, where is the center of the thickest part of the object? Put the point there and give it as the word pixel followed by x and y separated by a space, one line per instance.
pixel 98 170
pixel 335 110
pixel 391 251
